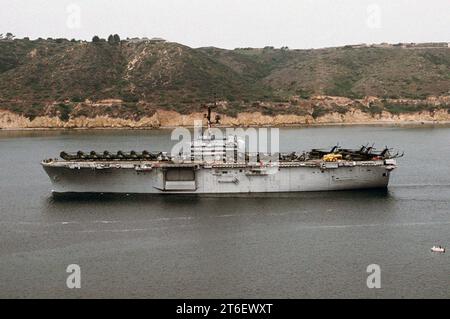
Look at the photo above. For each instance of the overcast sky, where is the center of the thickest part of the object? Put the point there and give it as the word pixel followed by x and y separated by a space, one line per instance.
pixel 233 23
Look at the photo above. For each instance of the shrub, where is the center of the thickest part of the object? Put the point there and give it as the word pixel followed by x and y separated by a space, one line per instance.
pixel 341 109
pixel 405 108
pixel 304 94
pixel 129 97
pixel 318 111
pixel 76 99
pixel 375 108
pixel 64 111
pixel 31 113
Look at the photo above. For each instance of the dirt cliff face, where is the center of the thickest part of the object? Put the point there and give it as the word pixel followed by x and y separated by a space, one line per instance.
pixel 115 113
pixel 162 118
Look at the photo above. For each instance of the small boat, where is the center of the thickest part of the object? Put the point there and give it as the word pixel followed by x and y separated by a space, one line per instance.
pixel 438 249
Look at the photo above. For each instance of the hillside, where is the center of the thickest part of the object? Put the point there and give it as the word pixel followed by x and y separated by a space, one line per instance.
pixel 135 79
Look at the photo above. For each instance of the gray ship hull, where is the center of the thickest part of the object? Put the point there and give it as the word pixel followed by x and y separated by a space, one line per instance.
pixel 148 178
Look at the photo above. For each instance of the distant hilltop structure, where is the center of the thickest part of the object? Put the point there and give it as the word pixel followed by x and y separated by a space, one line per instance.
pixel 146 40
pixel 157 40
pixel 401 45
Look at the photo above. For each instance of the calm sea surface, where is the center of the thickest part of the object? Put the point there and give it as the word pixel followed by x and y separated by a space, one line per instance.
pixel 292 245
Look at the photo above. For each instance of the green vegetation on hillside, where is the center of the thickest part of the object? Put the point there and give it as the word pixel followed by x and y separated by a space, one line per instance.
pixel 148 75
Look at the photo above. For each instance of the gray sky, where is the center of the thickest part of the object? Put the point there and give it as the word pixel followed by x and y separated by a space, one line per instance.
pixel 234 23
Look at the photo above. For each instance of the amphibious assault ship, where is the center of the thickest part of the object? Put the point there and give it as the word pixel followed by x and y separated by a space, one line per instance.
pixel 220 166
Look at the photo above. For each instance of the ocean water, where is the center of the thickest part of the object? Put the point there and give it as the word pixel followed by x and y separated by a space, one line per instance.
pixel 304 245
